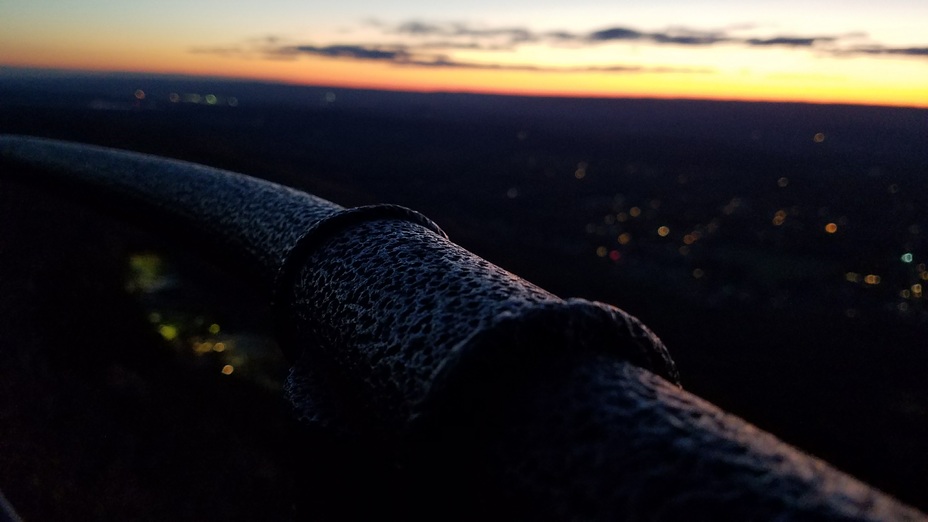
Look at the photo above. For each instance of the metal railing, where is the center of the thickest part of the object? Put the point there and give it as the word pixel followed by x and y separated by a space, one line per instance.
pixel 543 408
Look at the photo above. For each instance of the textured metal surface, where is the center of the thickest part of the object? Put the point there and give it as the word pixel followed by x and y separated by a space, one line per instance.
pixel 7 514
pixel 524 403
pixel 587 437
pixel 256 219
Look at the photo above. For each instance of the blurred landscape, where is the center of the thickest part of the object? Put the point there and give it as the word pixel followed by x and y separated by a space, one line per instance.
pixel 779 250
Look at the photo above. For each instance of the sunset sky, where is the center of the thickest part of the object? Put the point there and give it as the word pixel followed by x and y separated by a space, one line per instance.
pixel 851 51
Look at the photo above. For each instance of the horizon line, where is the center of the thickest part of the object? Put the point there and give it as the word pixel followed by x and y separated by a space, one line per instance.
pixel 39 72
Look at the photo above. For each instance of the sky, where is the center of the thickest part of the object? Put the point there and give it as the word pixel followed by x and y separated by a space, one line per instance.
pixel 827 51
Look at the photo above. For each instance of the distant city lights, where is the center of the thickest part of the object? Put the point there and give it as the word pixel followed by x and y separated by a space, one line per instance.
pixel 254 357
pixel 580 173
pixel 629 225
pixel 169 332
pixel 203 99
pixel 779 218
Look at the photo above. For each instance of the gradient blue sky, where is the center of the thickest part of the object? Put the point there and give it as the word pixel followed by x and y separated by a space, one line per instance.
pixel 828 51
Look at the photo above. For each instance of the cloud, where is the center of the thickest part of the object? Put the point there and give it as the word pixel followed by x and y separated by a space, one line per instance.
pixel 420 29
pixel 707 39
pixel 407 56
pixel 457 30
pixel 461 35
pixel 615 33
pixel 464 46
pixel 519 35
pixel 898 51
pixel 790 41
pixel 440 45
pixel 678 37
pixel 357 52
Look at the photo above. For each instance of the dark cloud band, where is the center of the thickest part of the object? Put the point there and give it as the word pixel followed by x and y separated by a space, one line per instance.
pixel 351 51
pixel 898 51
pixel 433 44
pixel 514 36
pixel 789 42
pixel 405 56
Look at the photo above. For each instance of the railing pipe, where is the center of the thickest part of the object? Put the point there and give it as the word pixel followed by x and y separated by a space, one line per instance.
pixel 548 408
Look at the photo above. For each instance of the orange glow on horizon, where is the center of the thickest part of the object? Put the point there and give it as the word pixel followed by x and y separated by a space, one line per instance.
pixel 383 76
pixel 861 54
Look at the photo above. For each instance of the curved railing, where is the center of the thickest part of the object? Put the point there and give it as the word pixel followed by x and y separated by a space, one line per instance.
pixel 540 407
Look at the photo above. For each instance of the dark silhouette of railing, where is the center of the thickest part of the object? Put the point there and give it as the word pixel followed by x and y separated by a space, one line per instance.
pixel 540 407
